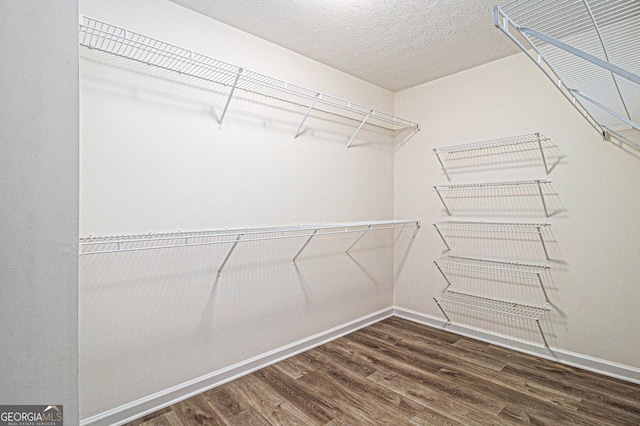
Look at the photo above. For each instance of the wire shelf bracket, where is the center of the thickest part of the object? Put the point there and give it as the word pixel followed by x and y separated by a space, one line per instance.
pixel 589 50
pixel 104 37
pixel 535 139
pixel 536 183
pixel 492 307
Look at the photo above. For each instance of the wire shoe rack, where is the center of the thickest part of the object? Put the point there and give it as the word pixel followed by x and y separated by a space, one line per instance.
pixel 114 40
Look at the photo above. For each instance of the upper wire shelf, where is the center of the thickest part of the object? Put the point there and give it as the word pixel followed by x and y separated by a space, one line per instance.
pixel 539 141
pixel 98 35
pixel 589 50
pixel 127 243
pixel 537 184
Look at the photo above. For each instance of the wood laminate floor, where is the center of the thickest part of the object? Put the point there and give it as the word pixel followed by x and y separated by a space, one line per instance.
pixel 397 372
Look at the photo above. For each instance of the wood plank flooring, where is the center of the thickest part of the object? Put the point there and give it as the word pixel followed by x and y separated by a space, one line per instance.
pixel 397 372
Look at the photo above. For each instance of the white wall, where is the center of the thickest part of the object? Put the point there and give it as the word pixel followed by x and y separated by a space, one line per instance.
pixel 593 282
pixel 39 214
pixel 152 159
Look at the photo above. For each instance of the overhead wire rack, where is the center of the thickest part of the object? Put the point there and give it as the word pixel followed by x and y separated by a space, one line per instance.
pixel 589 50
pixel 114 40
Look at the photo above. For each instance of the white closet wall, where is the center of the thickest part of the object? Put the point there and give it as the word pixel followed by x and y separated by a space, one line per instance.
pixel 594 221
pixel 39 213
pixel 153 159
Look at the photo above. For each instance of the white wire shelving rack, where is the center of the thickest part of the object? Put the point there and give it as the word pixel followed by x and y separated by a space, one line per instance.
pixel 114 40
pixel 536 184
pixel 501 309
pixel 137 242
pixel 499 146
pixel 535 228
pixel 589 50
pixel 493 267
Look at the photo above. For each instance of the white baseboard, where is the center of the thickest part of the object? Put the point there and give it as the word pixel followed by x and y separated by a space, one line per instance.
pixel 136 409
pixel 585 362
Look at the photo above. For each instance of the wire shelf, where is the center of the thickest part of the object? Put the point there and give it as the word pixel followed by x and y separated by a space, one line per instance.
pixel 535 140
pixel 535 228
pixel 501 309
pixel 104 37
pixel 589 50
pixel 493 267
pixel 537 184
pixel 511 227
pixel 494 143
pixel 137 242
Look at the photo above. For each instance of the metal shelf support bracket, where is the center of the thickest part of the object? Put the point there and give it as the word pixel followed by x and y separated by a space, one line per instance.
pixel 359 127
pixel 315 232
pixel 233 89
pixel 318 95
pixel 359 238
pixel 233 247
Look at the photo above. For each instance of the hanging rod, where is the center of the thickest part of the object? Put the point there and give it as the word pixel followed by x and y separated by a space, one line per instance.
pixel 501 309
pixel 494 227
pixel 537 183
pixel 537 139
pixel 104 37
pixel 493 267
pixel 127 243
pixel 589 50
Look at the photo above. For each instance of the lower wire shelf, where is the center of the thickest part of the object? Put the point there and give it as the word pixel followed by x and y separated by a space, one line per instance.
pixel 493 307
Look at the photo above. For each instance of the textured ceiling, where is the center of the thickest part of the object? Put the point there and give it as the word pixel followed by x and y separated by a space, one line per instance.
pixel 395 44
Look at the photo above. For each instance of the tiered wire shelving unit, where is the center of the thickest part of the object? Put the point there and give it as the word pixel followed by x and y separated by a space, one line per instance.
pixel 114 40
pixel 589 50
pixel 232 237
pixel 454 266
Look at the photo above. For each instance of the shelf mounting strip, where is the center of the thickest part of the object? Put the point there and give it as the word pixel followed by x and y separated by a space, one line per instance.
pixel 589 50
pixel 127 243
pixel 104 37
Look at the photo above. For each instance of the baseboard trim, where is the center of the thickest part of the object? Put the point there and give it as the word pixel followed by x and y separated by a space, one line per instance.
pixel 585 362
pixel 141 407
pixel 147 405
